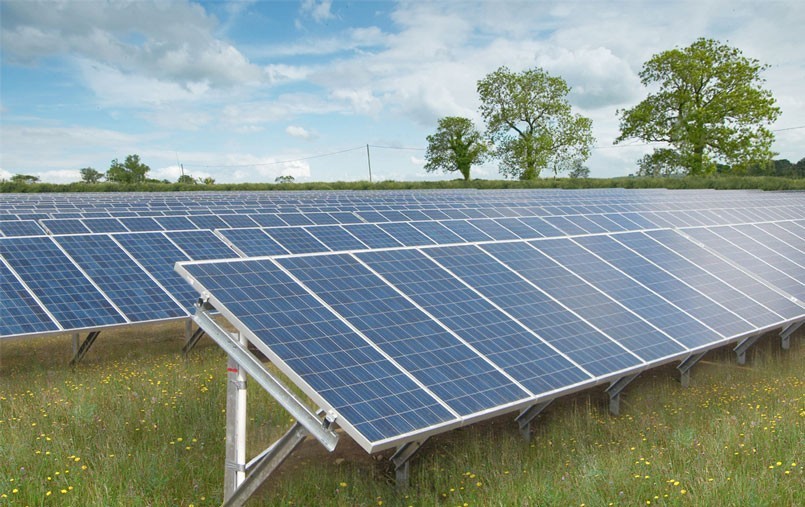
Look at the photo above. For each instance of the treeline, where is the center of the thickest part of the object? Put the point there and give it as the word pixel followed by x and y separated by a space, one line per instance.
pixel 687 182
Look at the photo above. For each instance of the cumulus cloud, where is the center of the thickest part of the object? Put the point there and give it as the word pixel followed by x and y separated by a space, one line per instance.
pixel 300 132
pixel 320 11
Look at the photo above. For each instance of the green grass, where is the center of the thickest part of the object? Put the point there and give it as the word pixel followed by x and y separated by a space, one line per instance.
pixel 135 424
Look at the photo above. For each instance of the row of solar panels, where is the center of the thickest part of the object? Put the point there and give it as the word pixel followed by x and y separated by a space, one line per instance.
pixel 682 218
pixel 406 342
pixel 72 282
pixel 99 206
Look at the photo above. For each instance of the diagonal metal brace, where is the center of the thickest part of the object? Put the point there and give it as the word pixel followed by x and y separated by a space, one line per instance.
pixel 785 334
pixel 528 415
pixel 252 366
pixel 268 462
pixel 191 342
pixel 686 365
pixel 614 392
pixel 745 345
pixel 402 462
pixel 82 350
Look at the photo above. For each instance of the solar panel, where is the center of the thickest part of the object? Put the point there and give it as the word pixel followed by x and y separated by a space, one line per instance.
pixel 336 238
pixel 439 360
pixel 564 330
pixel 175 223
pixel 157 254
pixel 372 235
pixel 21 314
pixel 296 240
pixel 61 287
pixel 201 245
pixel 141 224
pixel 104 225
pixel 65 226
pixel 334 363
pixel 405 233
pixel 755 257
pixel 252 242
pixel 518 351
pixel 120 278
pixel 594 307
pixel 11 228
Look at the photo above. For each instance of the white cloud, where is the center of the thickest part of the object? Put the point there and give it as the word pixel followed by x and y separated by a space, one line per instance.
pixel 300 132
pixel 319 11
pixel 361 100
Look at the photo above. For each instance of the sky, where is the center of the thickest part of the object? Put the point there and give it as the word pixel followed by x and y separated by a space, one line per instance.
pixel 247 91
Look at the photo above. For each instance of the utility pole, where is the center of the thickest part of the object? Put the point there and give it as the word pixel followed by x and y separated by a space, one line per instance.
pixel 369 160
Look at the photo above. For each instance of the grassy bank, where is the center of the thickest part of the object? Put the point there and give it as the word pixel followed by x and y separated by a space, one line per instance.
pixel 135 424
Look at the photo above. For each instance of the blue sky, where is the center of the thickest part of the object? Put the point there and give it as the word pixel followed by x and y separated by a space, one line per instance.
pixel 248 91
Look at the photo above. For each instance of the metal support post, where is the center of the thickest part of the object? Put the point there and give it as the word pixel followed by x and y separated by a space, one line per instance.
pixel 402 462
pixel 785 334
pixel 230 463
pixel 528 415
pixel 270 460
pixel 614 392
pixel 744 345
pixel 80 351
pixel 686 365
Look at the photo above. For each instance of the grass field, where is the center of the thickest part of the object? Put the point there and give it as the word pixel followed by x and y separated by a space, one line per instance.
pixel 136 424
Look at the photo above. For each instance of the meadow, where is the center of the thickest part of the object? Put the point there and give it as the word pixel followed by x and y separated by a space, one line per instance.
pixel 137 424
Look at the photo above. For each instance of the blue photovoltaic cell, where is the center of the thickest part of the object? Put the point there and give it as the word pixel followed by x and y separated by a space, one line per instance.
pixel 140 224
pixel 754 257
pixel 345 217
pixel 435 214
pixel 778 238
pixel 158 255
pixel 642 301
pixel 120 278
pixel 295 218
pixel 236 221
pixel 569 334
pixel 641 221
pixel 363 386
pixel 604 222
pixel 450 369
pixel 675 290
pixel 320 219
pixel 58 283
pixel 586 224
pixel 175 223
pixel 20 312
pixel 65 226
pixel 336 238
pixel 394 216
pixel 690 264
pixel 104 225
pixel 518 352
pixel 493 229
pixel 583 299
pixel 414 215
pixel 468 232
pixel 568 227
pixel 296 240
pixel 372 235
pixel 518 228
pixel 405 234
pixel 20 228
pixel 207 222
pixel 372 217
pixel 252 242
pixel 542 227
pixel 437 232
pixel 201 245
pixel 756 290
pixel 268 220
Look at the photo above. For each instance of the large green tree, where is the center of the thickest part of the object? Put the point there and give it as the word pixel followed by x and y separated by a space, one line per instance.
pixel 90 175
pixel 709 108
pixel 132 170
pixel 456 146
pixel 531 124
